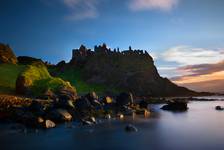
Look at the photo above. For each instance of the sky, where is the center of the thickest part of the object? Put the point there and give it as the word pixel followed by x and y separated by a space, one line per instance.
pixel 185 37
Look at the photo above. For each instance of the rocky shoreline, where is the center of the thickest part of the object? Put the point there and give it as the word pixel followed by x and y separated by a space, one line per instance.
pixel 86 110
pixel 38 113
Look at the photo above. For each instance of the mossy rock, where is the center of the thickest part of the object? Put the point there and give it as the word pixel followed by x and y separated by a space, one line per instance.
pixel 35 80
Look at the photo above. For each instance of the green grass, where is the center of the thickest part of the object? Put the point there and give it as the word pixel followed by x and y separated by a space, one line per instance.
pixel 8 76
pixel 38 79
pixel 10 72
pixel 74 76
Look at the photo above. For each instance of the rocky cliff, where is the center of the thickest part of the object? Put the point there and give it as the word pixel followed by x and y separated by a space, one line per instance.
pixel 129 70
pixel 7 55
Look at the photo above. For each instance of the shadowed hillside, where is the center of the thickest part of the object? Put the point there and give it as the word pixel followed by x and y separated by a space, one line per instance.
pixel 130 70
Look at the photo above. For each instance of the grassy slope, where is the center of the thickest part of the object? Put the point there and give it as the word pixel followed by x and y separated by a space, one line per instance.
pixel 9 73
pixel 39 80
pixel 8 76
pixel 74 76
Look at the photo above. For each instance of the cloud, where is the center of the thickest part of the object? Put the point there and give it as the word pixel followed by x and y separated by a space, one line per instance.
pixel 81 9
pixel 203 68
pixel 202 77
pixel 185 55
pixel 164 5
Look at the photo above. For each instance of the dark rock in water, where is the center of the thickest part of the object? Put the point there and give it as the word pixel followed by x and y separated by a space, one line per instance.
pixel 175 106
pixel 219 108
pixel 107 100
pixel 94 100
pixel 124 99
pixel 143 104
pixel 49 124
pixel 37 108
pixel 7 55
pixel 59 115
pixel 92 96
pixel 131 128
pixel 83 104
pixel 88 121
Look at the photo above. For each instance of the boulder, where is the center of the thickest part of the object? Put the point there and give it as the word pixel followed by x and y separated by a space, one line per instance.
pixel 49 124
pixel 219 108
pixel 107 100
pixel 143 104
pixel 59 115
pixel 124 99
pixel 92 96
pixel 66 116
pixel 131 128
pixel 37 108
pixel 83 104
pixel 175 106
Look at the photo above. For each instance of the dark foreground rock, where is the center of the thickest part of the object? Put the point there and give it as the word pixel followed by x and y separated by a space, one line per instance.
pixel 48 113
pixel 175 106
pixel 131 128
pixel 219 108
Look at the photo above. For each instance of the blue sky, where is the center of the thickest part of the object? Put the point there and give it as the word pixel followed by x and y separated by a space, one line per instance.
pixel 173 31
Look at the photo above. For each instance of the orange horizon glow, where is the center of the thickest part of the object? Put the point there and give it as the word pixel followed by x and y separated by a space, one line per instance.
pixel 200 78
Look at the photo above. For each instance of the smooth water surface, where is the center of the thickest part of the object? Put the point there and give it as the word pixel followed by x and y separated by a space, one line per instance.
pixel 200 128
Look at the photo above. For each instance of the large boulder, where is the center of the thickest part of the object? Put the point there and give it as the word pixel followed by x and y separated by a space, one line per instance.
pixel 124 99
pixel 59 115
pixel 7 55
pixel 175 106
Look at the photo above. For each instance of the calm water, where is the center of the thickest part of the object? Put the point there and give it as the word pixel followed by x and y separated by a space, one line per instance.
pixel 200 128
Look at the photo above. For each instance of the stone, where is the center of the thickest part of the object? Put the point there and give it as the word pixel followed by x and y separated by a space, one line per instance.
pixel 131 128
pixel 219 108
pixel 124 99
pixel 175 106
pixel 83 104
pixel 143 104
pixel 49 124
pixel 65 114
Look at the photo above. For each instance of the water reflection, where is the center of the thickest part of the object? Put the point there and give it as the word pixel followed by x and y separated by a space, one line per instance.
pixel 201 127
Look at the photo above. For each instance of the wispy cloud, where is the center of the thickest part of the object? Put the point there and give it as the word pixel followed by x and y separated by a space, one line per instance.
pixel 80 9
pixel 185 55
pixel 164 5
pixel 202 77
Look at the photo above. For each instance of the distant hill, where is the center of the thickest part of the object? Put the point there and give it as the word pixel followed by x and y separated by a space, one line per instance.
pixel 129 70
pixel 215 86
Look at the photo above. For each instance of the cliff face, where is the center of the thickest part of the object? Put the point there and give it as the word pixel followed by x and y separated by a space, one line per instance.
pixel 130 70
pixel 7 55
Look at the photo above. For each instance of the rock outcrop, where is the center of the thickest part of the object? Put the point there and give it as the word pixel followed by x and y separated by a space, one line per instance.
pixel 7 55
pixel 130 70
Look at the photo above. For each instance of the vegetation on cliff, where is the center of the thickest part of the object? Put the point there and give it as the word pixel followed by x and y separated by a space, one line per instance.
pixel 130 70
pixel 9 74
pixel 36 80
